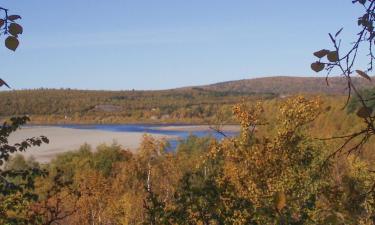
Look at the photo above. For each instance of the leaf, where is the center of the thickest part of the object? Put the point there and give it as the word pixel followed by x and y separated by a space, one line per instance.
pixel 338 32
pixel 14 17
pixel 321 53
pixel 359 22
pixel 280 200
pixel 333 56
pixel 317 66
pixel 362 1
pixel 11 43
pixel 15 29
pixel 2 82
pixel 1 23
pixel 363 74
pixel 364 112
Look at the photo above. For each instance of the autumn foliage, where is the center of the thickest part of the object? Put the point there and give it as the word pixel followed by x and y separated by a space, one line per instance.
pixel 276 171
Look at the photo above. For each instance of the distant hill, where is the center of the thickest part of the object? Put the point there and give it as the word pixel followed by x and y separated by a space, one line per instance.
pixel 181 105
pixel 289 85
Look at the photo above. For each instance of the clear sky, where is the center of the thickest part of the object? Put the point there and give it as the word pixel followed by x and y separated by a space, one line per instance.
pixel 158 44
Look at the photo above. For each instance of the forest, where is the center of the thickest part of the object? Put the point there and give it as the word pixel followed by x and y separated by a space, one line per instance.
pixel 281 172
pixel 51 106
pixel 299 158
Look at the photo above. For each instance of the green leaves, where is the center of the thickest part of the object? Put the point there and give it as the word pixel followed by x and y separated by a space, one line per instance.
pixel 317 66
pixel 363 74
pixel 11 43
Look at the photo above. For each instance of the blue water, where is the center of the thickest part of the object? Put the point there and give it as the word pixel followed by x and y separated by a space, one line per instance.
pixel 151 129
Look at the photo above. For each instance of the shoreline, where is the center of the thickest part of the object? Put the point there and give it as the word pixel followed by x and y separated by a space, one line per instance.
pixel 70 139
pixel 226 128
pixel 145 123
pixel 65 139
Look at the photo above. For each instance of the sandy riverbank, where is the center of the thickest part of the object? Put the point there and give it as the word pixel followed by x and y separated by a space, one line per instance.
pixel 67 139
pixel 190 128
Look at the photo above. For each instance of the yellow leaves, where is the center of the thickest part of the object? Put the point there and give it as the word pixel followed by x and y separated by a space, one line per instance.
pixel 298 111
pixel 274 160
pixel 249 117
pixel 151 147
pixel 280 200
pixel 11 43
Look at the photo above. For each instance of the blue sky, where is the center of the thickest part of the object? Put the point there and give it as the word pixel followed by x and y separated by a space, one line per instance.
pixel 159 44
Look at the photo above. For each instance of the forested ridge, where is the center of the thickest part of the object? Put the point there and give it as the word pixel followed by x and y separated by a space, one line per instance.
pixel 182 105
pixel 79 106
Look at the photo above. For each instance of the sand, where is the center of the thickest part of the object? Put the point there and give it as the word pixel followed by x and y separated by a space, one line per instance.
pixel 68 139
pixel 228 128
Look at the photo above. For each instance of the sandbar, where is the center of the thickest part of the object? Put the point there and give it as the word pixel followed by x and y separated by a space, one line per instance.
pixel 69 139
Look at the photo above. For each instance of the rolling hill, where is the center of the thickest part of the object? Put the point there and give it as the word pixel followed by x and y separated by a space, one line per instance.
pixel 180 105
pixel 289 85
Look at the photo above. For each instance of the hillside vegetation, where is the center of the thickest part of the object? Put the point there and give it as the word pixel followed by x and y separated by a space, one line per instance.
pixel 279 173
pixel 184 105
pixel 290 85
pixel 82 106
